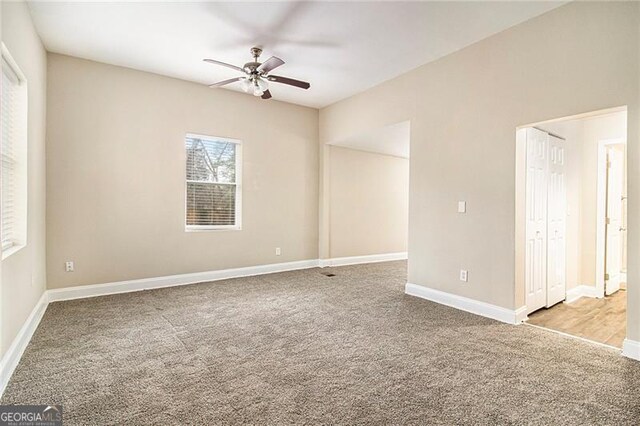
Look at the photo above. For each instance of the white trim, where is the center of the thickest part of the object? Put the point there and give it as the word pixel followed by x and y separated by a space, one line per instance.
pixel 631 349
pixel 583 290
pixel 521 314
pixel 238 185
pixel 6 55
pixel 12 356
pixel 601 213
pixel 213 138
pixel 355 260
pixel 203 228
pixel 94 290
pixel 18 236
pixel 464 303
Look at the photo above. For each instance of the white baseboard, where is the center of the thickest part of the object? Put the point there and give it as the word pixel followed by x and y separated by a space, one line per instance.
pixel 521 315
pixel 581 291
pixel 354 260
pixel 470 305
pixel 13 354
pixel 80 292
pixel 631 349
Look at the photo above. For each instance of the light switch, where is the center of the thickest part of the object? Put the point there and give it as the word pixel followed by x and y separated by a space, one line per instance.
pixel 462 206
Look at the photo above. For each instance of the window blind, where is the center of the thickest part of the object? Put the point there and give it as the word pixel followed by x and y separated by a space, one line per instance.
pixel 10 84
pixel 211 183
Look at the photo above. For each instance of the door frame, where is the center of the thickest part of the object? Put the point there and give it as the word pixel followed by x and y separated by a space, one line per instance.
pixel 601 210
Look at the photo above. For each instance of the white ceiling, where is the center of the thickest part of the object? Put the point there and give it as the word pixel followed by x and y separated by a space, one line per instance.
pixel 390 140
pixel 341 48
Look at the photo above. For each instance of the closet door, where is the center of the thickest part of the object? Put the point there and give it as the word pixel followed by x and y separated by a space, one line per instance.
pixel 556 218
pixel 536 224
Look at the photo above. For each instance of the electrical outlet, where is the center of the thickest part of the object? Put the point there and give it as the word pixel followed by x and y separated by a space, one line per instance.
pixel 464 275
pixel 68 266
pixel 278 251
pixel 462 206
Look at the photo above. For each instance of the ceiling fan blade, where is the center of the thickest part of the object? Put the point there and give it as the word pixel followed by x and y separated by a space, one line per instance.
pixel 224 64
pixel 223 82
pixel 270 64
pixel 266 95
pixel 289 81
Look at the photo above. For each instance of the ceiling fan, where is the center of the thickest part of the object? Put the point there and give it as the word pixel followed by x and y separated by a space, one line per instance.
pixel 256 79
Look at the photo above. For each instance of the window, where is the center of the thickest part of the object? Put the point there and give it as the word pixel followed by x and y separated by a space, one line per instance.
pixel 13 149
pixel 213 183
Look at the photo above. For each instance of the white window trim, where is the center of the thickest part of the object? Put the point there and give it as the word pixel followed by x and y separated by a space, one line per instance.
pixel 21 145
pixel 238 184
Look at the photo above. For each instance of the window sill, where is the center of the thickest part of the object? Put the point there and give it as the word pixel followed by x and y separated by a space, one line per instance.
pixel 12 250
pixel 212 228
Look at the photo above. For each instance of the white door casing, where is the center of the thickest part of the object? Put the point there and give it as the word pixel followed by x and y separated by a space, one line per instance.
pixel 536 221
pixel 556 222
pixel 614 223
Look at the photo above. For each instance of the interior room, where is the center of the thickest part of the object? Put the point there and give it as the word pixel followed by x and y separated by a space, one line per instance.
pixel 319 212
pixel 585 226
pixel 368 199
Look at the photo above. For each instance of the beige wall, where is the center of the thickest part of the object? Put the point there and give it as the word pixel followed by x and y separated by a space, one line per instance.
pixel 23 278
pixel 464 110
pixel 369 203
pixel 116 170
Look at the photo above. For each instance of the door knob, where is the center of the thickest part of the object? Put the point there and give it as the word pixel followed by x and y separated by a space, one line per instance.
pixel 622 229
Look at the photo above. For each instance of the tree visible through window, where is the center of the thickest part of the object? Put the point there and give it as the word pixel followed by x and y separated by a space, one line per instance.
pixel 212 182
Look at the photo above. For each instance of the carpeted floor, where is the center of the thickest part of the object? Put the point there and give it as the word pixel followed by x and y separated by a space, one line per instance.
pixel 300 347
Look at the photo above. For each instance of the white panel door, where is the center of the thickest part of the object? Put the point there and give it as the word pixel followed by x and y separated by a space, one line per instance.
pixel 536 224
pixel 613 250
pixel 556 220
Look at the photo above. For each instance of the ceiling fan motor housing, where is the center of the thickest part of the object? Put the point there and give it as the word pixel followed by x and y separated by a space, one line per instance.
pixel 250 67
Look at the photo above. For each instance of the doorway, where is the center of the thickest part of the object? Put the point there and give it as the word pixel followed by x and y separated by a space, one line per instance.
pixel 366 196
pixel 571 209
pixel 611 217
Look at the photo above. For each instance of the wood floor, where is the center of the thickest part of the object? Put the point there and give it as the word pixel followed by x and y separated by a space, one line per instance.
pixel 600 320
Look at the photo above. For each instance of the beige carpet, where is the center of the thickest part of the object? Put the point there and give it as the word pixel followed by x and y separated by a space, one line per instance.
pixel 300 347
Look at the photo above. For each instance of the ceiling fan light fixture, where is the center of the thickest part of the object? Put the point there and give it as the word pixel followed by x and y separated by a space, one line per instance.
pixel 259 86
pixel 246 85
pixel 262 84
